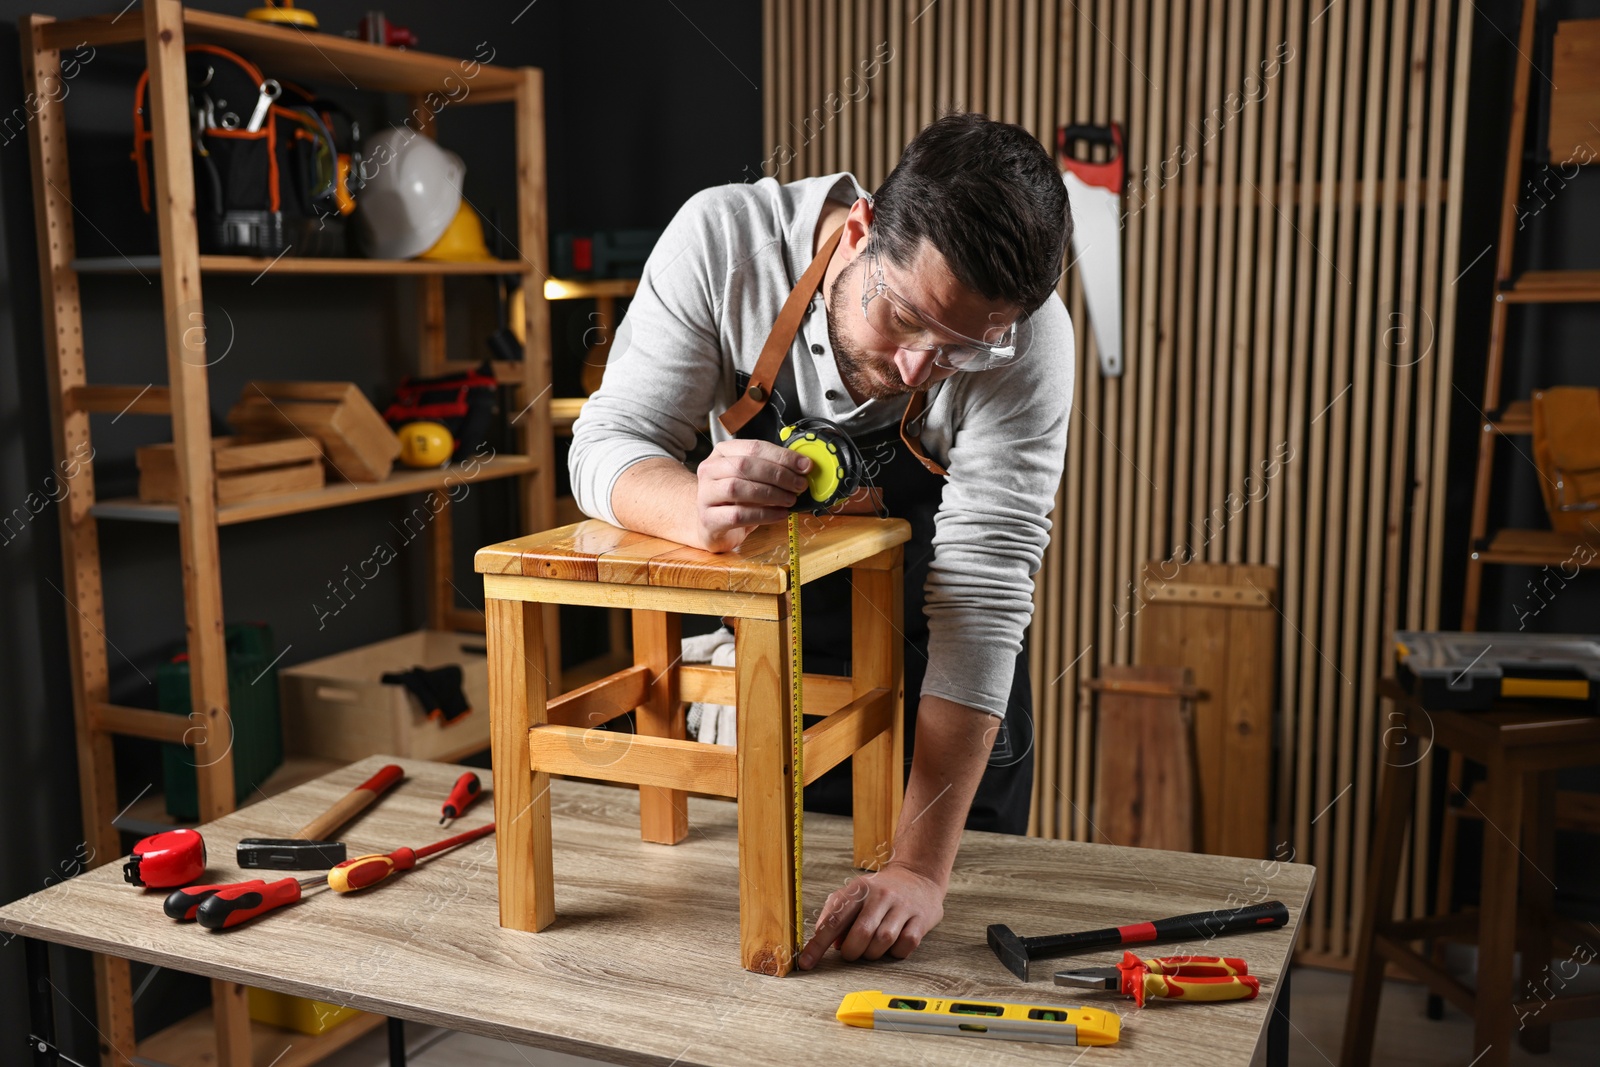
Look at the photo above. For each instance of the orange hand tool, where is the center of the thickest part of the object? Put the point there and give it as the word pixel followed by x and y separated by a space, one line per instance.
pixel 364 871
pixel 1170 978
pixel 466 790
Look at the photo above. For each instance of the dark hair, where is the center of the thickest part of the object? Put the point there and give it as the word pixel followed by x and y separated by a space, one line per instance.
pixel 989 198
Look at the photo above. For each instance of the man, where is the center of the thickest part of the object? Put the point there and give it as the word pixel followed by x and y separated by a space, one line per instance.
pixel 939 292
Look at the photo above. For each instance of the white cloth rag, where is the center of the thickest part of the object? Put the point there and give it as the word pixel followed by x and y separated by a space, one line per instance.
pixel 715 724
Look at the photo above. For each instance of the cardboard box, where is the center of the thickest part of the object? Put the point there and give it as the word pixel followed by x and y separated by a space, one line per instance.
pixel 337 707
pixel 244 470
pixel 358 444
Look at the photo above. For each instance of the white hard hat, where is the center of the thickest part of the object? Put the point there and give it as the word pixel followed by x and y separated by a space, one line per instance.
pixel 412 190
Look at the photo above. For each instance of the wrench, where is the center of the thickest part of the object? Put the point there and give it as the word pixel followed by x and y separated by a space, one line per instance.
pixel 270 91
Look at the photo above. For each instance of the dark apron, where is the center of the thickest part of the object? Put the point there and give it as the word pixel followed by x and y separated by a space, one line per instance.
pixel 912 493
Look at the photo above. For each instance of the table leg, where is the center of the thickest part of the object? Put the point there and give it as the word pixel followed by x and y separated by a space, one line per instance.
pixel 1538 901
pixel 41 1009
pixel 877 768
pixel 1366 976
pixel 768 936
pixel 397 1042
pixel 514 633
pixel 658 644
pixel 1278 1025
pixel 1497 917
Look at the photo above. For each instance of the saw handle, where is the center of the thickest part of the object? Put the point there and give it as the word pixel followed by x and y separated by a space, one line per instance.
pixel 352 804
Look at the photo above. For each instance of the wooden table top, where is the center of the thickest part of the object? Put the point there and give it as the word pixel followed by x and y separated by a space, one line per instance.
pixel 641 966
pixel 595 551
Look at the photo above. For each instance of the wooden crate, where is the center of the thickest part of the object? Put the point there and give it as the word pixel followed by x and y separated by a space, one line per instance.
pixel 359 445
pixel 244 470
pixel 337 708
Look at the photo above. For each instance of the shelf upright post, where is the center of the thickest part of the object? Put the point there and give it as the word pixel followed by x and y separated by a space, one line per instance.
pixel 187 361
pixel 80 537
pixel 533 422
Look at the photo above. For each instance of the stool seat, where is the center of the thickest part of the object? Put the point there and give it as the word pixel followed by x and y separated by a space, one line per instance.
pixel 535 733
pixel 596 551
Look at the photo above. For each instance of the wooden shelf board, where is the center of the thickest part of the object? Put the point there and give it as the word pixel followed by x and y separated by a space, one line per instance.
pixel 588 289
pixel 1516 419
pixel 564 412
pixel 1554 287
pixel 331 496
pixel 150 810
pixel 260 265
pixel 192 1042
pixel 1535 548
pixel 322 58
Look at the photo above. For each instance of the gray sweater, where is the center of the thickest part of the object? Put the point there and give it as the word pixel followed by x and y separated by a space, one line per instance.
pixel 707 299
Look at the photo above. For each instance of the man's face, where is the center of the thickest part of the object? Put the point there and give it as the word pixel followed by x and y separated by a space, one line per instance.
pixel 872 365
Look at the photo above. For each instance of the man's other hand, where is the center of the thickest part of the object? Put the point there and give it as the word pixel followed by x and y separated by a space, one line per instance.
pixel 889 911
pixel 745 484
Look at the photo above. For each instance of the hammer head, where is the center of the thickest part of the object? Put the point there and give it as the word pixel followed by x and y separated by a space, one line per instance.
pixel 289 854
pixel 1009 950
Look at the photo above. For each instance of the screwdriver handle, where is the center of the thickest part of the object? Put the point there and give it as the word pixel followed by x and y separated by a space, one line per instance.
pixel 462 794
pixel 364 871
pixel 1177 987
pixel 235 904
pixel 182 903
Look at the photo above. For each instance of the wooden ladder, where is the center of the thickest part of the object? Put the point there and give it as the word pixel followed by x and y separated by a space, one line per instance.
pixel 1501 420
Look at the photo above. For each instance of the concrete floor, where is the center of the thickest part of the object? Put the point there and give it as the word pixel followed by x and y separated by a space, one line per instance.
pixel 1406 1037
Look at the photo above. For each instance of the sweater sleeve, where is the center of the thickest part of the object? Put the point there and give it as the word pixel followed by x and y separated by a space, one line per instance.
pixel 993 522
pixel 665 363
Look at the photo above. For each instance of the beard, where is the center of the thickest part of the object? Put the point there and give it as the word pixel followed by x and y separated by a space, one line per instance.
pixel 863 376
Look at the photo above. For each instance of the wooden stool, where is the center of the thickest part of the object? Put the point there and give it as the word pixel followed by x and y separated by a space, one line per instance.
pixel 536 734
pixel 1521 751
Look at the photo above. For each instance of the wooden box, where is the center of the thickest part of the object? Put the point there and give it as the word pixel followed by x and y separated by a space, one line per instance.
pixel 337 707
pixel 359 445
pixel 244 470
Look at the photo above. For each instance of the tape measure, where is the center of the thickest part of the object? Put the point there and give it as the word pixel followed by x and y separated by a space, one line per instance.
pixel 1055 1025
pixel 836 463
pixel 796 723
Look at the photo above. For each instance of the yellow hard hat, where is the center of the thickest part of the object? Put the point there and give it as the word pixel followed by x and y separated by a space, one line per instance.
pixel 425 444
pixel 462 241
pixel 284 13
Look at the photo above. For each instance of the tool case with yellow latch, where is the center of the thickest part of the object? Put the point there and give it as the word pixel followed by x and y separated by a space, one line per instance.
pixel 1474 671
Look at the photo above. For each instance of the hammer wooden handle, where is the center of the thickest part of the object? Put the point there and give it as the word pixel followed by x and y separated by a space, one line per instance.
pixel 353 803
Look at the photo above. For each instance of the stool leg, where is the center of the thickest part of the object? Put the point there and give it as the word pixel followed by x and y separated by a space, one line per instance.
pixel 1538 900
pixel 1497 917
pixel 1366 977
pixel 768 936
pixel 517 694
pixel 877 771
pixel 658 644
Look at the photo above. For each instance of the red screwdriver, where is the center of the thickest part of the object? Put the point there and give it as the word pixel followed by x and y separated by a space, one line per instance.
pixel 231 905
pixel 364 871
pixel 462 795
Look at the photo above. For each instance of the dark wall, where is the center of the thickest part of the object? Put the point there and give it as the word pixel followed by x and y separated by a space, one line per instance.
pixel 646 103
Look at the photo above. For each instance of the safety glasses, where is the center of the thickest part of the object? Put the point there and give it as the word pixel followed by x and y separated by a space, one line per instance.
pixel 897 320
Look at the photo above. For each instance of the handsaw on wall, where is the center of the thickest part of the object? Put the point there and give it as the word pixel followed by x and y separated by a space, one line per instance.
pixel 1094 190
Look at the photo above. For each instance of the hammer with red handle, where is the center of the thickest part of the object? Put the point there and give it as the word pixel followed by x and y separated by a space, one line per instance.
pixel 308 850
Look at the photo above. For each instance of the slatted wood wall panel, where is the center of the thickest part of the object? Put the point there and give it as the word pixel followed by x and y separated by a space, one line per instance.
pixel 1289 256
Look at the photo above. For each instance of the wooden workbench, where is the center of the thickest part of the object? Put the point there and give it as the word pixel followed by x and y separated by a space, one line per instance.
pixel 640 965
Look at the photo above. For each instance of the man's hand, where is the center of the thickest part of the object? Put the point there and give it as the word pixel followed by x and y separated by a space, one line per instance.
pixel 745 484
pixel 889 911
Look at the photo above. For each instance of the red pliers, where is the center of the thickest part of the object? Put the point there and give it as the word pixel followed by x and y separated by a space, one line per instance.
pixel 1170 978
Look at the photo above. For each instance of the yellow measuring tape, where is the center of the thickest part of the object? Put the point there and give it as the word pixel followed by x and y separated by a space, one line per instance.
pixel 797 726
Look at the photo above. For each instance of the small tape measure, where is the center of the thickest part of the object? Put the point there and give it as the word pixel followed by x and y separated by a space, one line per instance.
pixel 836 463
pixel 980 1018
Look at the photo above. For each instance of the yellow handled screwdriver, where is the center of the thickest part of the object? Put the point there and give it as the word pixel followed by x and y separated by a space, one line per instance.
pixel 365 871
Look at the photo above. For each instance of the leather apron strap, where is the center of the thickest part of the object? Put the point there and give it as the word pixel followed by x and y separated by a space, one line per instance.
pixel 780 340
